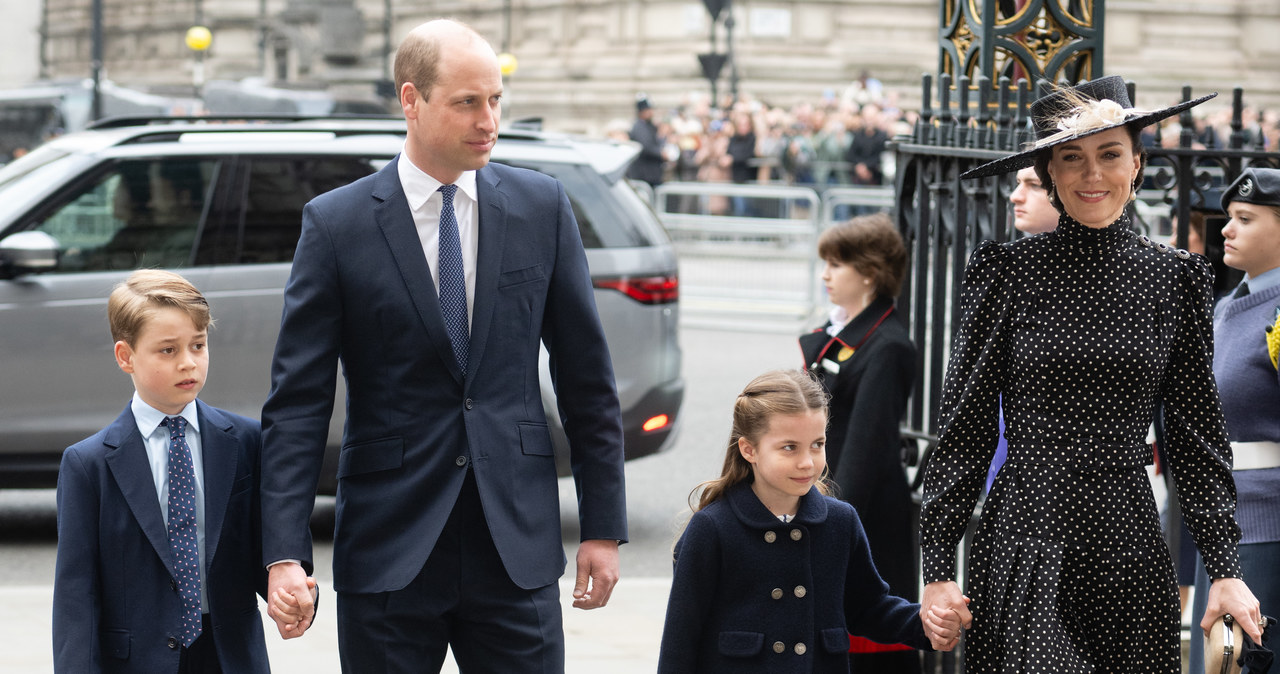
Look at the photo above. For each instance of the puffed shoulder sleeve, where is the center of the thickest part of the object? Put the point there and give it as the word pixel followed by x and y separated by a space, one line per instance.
pixel 1195 436
pixel 970 410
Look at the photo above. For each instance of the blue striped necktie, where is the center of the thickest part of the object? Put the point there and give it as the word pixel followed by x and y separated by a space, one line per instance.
pixel 453 280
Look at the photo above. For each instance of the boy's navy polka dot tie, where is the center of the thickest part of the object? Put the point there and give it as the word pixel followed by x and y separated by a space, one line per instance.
pixel 182 527
pixel 453 280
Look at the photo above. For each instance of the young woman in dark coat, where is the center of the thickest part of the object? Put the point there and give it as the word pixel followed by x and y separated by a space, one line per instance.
pixel 866 362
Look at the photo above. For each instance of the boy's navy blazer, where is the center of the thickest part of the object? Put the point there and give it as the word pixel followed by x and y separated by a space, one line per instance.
pixel 115 602
pixel 361 293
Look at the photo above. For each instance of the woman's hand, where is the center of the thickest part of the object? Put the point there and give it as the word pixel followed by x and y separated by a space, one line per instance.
pixel 944 611
pixel 1230 595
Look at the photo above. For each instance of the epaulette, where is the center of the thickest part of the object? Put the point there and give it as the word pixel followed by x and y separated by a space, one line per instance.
pixel 1164 247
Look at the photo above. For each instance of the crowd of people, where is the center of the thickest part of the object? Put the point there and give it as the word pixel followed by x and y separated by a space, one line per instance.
pixel 838 139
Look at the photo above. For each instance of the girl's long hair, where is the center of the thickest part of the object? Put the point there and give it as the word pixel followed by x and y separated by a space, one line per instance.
pixel 777 392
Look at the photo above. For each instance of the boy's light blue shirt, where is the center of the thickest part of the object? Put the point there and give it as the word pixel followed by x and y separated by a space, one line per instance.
pixel 156 439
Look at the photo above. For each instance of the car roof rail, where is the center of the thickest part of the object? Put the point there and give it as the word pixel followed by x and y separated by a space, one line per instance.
pixel 122 121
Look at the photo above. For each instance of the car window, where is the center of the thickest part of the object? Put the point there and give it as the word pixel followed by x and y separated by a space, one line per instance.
pixel 602 221
pixel 136 213
pixel 265 226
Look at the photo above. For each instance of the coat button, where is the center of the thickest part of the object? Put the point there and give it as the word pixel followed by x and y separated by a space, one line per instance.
pixel 172 643
pixel 460 461
pixel 796 534
pixel 469 403
pixel 800 649
pixel 777 593
pixel 779 647
pixel 770 537
pixel 800 591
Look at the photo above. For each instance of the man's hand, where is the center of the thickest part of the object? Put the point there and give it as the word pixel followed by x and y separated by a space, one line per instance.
pixel 944 612
pixel 1231 595
pixel 597 563
pixel 290 599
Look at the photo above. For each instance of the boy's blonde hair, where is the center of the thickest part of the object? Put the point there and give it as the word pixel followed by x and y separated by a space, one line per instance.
pixel 774 393
pixel 135 300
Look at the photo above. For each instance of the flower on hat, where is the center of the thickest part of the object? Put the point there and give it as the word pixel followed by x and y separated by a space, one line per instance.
pixel 1089 115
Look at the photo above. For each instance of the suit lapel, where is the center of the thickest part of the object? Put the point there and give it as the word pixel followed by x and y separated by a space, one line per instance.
pixel 492 234
pixel 127 461
pixel 396 222
pixel 220 457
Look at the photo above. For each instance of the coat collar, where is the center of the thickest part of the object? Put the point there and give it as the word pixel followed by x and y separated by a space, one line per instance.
pixel 751 512
pixel 856 330
pixel 395 220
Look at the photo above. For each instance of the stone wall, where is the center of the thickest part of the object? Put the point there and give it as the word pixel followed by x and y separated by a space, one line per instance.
pixel 581 62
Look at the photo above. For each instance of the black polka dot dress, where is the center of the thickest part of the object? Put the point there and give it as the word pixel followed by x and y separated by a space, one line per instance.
pixel 1080 331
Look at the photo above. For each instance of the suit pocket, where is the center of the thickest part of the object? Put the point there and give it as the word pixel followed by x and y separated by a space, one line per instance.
pixel 115 644
pixel 242 484
pixel 835 640
pixel 369 457
pixel 535 440
pixel 516 277
pixel 740 644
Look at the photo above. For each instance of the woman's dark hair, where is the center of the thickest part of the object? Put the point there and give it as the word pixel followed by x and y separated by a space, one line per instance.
pixel 873 246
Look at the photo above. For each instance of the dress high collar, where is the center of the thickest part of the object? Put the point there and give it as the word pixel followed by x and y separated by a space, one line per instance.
pixel 1072 232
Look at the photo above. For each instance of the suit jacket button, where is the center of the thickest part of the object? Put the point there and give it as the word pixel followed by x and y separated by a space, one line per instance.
pixel 777 593
pixel 796 534
pixel 469 404
pixel 779 647
pixel 770 537
pixel 173 643
pixel 800 649
pixel 800 591
pixel 460 461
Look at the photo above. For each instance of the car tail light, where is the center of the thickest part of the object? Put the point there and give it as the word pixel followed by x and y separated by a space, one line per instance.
pixel 644 289
pixel 655 423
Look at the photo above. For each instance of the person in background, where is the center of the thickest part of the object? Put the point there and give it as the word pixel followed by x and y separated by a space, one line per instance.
pixel 1077 333
pixel 1032 212
pixel 650 163
pixel 866 362
pixel 771 574
pixel 1246 330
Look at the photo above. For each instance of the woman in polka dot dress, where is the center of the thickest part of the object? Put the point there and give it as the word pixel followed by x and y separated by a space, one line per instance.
pixel 1080 330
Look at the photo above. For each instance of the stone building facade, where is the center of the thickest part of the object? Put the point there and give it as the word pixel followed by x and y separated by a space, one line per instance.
pixel 581 62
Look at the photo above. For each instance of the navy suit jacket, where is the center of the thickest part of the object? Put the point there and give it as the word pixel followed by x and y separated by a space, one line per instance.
pixel 115 601
pixel 361 293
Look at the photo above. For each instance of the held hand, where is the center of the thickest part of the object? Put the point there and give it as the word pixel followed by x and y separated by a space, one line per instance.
pixel 291 599
pixel 1231 595
pixel 597 573
pixel 942 626
pixel 942 606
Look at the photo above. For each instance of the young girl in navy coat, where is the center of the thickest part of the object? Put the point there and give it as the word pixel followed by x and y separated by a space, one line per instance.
pixel 771 574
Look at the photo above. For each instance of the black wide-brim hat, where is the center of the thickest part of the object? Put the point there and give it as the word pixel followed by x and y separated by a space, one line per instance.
pixel 1058 119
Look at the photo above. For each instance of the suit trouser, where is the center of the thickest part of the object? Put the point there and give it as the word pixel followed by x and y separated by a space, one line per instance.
pixel 463 600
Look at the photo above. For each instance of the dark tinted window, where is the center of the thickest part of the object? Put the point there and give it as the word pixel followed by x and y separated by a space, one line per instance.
pixel 136 213
pixel 262 224
pixel 603 220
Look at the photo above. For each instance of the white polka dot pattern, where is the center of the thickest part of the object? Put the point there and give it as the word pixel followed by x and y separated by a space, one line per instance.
pixel 182 528
pixel 1081 331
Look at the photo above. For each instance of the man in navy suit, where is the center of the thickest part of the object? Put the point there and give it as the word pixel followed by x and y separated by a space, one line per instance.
pixel 434 282
pixel 127 595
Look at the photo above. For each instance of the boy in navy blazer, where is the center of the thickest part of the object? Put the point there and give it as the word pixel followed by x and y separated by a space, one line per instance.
pixel 158 518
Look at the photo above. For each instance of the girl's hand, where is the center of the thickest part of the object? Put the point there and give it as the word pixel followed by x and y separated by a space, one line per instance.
pixel 944 613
